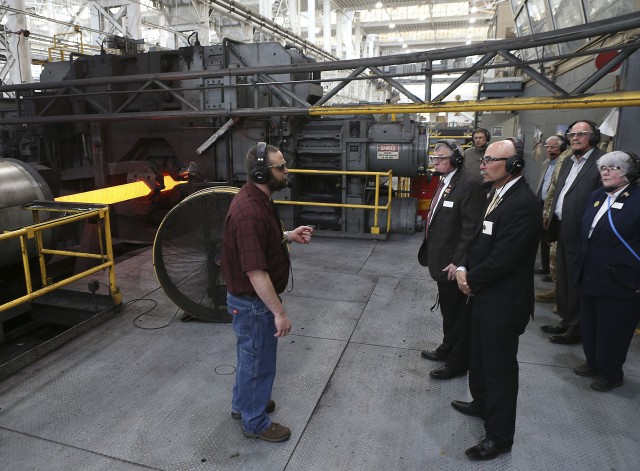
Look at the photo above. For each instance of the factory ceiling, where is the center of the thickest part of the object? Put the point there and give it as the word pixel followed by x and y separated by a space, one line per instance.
pixel 394 26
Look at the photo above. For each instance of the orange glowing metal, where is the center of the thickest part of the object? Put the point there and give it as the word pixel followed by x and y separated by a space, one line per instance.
pixel 117 194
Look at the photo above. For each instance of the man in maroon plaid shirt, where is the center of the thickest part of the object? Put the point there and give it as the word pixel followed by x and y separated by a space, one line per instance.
pixel 255 266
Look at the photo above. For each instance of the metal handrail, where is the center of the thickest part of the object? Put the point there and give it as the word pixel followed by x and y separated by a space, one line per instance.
pixel 35 232
pixel 375 229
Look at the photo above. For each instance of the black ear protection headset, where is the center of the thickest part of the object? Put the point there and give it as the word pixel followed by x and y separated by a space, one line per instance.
pixel 484 131
pixel 456 159
pixel 563 143
pixel 634 170
pixel 515 163
pixel 259 173
pixel 595 137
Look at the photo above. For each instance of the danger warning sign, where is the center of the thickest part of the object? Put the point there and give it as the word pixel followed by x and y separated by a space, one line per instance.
pixel 388 151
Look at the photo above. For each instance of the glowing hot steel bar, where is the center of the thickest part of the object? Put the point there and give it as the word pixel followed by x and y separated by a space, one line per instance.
pixel 117 194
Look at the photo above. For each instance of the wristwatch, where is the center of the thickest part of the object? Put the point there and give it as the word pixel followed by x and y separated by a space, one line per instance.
pixel 285 238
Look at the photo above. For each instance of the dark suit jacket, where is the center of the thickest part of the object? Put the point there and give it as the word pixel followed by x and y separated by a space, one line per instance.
pixel 454 222
pixel 604 265
pixel 501 259
pixel 575 201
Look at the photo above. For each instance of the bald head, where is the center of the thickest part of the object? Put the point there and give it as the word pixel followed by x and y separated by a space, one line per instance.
pixel 493 166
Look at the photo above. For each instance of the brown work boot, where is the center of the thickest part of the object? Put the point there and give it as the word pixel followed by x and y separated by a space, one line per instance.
pixel 547 296
pixel 276 433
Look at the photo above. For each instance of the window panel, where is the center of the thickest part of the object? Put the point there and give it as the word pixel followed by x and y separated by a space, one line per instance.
pixel 603 9
pixel 524 29
pixel 515 5
pixel 567 13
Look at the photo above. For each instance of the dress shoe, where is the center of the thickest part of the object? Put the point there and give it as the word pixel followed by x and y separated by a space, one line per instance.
pixel 547 279
pixel 467 408
pixel 553 329
pixel 547 296
pixel 433 355
pixel 271 406
pixel 565 339
pixel 542 271
pixel 446 372
pixel 487 450
pixel 585 370
pixel 603 384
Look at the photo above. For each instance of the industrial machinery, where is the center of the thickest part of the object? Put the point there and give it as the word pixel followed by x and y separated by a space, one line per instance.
pixel 106 120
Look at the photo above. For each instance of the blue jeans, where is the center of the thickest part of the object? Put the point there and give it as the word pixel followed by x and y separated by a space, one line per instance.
pixel 256 349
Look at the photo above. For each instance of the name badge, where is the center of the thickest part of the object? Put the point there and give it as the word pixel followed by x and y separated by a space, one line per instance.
pixel 449 204
pixel 617 205
pixel 487 227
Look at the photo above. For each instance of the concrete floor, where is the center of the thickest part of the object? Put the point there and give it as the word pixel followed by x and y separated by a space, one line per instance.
pixel 152 392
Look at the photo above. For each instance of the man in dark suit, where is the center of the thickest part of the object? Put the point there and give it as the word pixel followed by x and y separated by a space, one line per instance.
pixel 453 217
pixel 578 177
pixel 498 278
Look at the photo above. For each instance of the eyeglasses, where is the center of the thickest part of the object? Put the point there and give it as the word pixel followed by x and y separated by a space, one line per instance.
pixel 278 166
pixel 490 160
pixel 609 168
pixel 579 134
pixel 438 158
pixel 551 146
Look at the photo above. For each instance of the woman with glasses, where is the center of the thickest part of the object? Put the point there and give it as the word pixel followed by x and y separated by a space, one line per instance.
pixel 608 268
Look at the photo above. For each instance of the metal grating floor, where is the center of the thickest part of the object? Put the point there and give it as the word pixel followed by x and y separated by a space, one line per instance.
pixel 350 384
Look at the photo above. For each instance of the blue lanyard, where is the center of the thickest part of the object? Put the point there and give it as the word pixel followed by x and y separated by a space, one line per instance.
pixel 615 231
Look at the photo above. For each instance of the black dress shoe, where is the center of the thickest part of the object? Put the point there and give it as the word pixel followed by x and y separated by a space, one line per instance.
pixel 487 450
pixel 542 271
pixel 445 372
pixel 603 384
pixel 565 339
pixel 467 408
pixel 553 329
pixel 585 370
pixel 433 355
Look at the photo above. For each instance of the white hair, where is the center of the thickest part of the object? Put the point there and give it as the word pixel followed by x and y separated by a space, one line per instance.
pixel 441 144
pixel 616 158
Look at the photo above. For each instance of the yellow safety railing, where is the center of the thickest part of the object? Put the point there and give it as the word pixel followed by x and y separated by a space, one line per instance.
pixel 64 45
pixel 35 232
pixel 376 206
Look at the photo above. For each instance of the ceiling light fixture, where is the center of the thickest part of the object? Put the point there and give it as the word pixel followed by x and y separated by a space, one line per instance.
pixel 378 4
pixel 392 25
pixel 472 20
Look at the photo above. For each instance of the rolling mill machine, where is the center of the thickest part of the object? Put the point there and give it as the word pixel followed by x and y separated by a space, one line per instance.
pixel 161 138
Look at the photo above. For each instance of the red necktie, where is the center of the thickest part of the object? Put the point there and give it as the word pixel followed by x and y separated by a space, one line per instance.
pixel 432 208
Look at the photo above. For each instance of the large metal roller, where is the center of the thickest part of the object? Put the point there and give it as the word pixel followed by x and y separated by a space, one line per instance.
pixel 20 183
